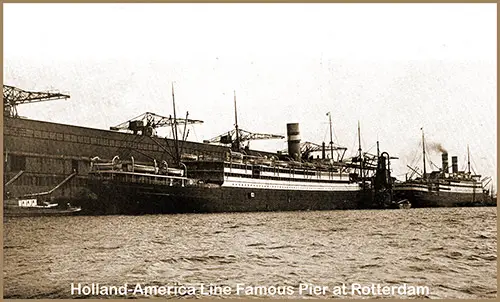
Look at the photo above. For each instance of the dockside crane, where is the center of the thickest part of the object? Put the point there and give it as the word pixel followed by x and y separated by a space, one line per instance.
pixel 13 96
pixel 147 123
pixel 145 127
pixel 237 136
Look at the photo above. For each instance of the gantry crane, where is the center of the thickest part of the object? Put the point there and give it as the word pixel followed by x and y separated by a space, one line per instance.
pixel 147 123
pixel 12 97
pixel 237 136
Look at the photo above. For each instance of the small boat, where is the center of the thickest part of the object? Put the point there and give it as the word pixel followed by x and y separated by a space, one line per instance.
pixel 404 204
pixel 29 207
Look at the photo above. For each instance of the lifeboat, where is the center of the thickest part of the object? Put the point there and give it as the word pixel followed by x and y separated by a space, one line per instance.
pixel 295 163
pixel 264 161
pixel 236 157
pixel 106 166
pixel 145 169
pixel 175 172
pixel 187 156
pixel 281 163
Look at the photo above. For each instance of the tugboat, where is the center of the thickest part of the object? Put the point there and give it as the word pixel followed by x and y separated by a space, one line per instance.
pixel 29 207
pixel 36 204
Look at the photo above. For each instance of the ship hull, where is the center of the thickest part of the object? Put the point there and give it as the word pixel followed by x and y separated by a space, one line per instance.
pixel 427 198
pixel 127 198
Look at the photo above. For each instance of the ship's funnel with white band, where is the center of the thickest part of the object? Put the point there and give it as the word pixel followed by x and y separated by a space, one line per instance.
pixel 454 164
pixel 293 133
pixel 444 158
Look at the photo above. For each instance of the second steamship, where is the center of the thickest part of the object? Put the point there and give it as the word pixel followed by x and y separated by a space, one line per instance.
pixel 444 189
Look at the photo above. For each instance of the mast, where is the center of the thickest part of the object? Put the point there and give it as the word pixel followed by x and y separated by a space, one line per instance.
pixel 423 149
pixel 184 133
pixel 236 124
pixel 176 141
pixel 468 159
pixel 359 140
pixel 331 137
pixel 360 153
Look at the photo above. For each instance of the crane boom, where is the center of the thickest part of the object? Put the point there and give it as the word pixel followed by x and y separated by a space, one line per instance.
pixel 242 135
pixel 147 122
pixel 313 147
pixel 13 96
pixel 237 136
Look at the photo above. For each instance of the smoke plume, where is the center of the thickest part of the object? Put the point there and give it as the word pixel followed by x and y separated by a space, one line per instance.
pixel 436 147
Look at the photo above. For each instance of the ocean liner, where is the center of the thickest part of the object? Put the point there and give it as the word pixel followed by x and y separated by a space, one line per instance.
pixel 236 182
pixel 442 188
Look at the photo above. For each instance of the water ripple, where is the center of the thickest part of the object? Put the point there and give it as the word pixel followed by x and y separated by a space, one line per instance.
pixel 453 251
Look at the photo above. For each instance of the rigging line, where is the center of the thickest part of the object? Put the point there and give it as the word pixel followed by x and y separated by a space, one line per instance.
pixel 428 158
pixel 140 152
pixel 473 164
pixel 352 148
pixel 464 163
pixel 170 147
pixel 325 133
pixel 162 147
pixel 433 164
pixel 367 150
pixel 195 135
pixel 128 147
pixel 335 135
pixel 364 143
pixel 416 153
pixel 122 148
pixel 333 130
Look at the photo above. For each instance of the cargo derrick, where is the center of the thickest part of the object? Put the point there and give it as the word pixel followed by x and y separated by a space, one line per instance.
pixel 237 136
pixel 12 97
pixel 307 148
pixel 146 124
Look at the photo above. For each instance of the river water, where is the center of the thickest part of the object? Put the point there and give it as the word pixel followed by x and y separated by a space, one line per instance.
pixel 450 251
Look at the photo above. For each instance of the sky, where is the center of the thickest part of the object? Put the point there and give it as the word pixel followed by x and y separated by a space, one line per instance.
pixel 395 68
